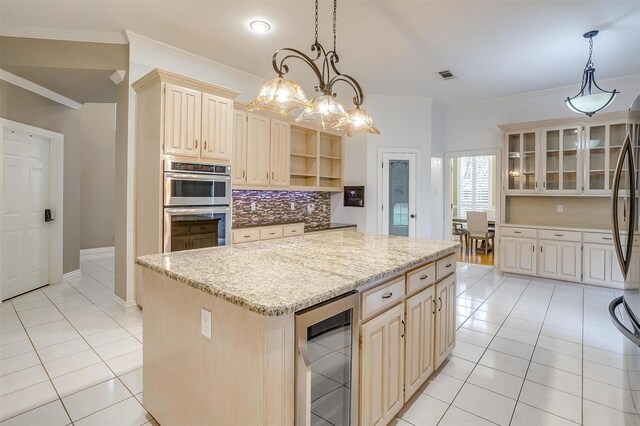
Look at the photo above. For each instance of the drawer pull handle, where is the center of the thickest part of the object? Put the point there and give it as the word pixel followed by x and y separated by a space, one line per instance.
pixel 293 231
pixel 440 308
pixel 517 232
pixel 404 327
pixel 246 236
pixel 607 238
pixel 424 277
pixel 434 306
pixel 387 295
pixel 272 233
pixel 559 235
pixel 448 265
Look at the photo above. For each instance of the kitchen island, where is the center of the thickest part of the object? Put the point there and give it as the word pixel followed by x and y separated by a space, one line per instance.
pixel 244 373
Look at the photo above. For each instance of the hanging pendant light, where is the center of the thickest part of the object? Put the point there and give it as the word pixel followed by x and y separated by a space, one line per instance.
pixel 284 96
pixel 587 102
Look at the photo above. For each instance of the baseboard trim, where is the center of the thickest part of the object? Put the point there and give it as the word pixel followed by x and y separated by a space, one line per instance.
pixel 71 275
pixel 125 306
pixel 97 250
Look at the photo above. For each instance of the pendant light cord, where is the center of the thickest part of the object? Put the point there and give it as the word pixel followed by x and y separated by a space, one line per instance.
pixel 316 22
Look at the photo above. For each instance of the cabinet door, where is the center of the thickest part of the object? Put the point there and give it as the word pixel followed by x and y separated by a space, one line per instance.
pixel 420 337
pixel 382 367
pixel 217 127
pixel 570 261
pixel 522 162
pixel 561 165
pixel 595 259
pixel 239 149
pixel 518 255
pixel 549 258
pixel 445 319
pixel 258 150
pixel 280 153
pixel 182 115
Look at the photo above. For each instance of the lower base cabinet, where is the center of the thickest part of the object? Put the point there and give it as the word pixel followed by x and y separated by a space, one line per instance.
pixel 401 348
pixel 382 367
pixel 601 266
pixel 560 260
pixel 518 255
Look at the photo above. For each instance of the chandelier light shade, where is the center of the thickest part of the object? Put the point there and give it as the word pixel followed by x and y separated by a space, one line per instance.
pixel 281 96
pixel 587 102
pixel 359 121
pixel 324 110
pixel 284 96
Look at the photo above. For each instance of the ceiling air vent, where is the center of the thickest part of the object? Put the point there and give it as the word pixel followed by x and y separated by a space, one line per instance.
pixel 446 74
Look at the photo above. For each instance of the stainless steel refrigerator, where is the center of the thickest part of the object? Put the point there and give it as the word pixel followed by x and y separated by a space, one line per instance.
pixel 625 309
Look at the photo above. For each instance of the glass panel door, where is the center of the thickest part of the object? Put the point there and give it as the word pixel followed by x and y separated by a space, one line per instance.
pixel 529 161
pixel 617 135
pixel 552 165
pixel 569 162
pixel 596 146
pixel 514 156
pixel 398 198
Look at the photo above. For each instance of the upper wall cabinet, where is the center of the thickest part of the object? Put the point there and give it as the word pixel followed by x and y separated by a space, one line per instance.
pixel 572 156
pixel 196 118
pixel 561 160
pixel 521 162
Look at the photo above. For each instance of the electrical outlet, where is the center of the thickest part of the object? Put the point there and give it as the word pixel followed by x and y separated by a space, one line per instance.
pixel 560 208
pixel 254 206
pixel 206 323
pixel 324 208
pixel 293 206
pixel 311 207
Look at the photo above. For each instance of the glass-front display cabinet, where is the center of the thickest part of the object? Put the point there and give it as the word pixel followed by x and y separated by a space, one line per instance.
pixel 522 162
pixel 602 145
pixel 561 160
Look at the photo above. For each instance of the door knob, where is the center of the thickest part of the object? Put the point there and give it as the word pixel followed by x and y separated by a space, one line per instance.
pixel 413 216
pixel 47 215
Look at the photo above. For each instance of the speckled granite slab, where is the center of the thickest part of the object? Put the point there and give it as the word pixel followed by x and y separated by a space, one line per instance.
pixel 278 277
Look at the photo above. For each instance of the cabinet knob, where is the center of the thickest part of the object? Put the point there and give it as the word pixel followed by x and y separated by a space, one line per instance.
pixel 196 143
pixel 424 277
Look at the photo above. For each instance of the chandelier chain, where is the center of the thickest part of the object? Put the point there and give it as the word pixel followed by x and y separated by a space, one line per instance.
pixel 335 18
pixel 589 62
pixel 316 22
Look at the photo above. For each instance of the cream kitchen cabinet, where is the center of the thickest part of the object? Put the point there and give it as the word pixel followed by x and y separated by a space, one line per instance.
pixel 561 160
pixel 261 148
pixel 197 124
pixel 182 121
pixel 560 259
pixel 382 367
pixel 239 157
pixel 521 160
pixel 518 255
pixel 445 316
pixel 217 127
pixel 420 337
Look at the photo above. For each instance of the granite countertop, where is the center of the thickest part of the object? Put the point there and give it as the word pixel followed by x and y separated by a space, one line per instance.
pixel 282 276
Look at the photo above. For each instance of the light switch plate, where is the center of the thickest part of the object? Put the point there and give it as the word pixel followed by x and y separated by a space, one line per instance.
pixel 206 323
pixel 311 207
pixel 560 208
pixel 293 206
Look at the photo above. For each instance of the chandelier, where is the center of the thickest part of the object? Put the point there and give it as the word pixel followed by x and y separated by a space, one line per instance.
pixel 284 96
pixel 585 101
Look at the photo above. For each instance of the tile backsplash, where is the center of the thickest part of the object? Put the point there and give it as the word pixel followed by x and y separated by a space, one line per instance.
pixel 274 207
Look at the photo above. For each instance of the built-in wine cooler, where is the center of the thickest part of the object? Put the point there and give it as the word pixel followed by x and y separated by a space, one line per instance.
pixel 327 356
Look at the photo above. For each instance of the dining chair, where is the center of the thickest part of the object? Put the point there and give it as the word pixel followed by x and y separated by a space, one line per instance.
pixel 478 230
pixel 459 231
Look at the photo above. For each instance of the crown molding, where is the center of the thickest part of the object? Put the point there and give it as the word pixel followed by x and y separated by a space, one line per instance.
pixel 156 76
pixel 132 37
pixel 38 90
pixel 64 34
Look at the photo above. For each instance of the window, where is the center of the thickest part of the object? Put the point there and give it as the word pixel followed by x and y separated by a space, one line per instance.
pixel 475 180
pixel 401 214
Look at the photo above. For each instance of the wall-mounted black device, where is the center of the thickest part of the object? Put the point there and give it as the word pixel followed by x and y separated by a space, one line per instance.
pixel 354 196
pixel 47 215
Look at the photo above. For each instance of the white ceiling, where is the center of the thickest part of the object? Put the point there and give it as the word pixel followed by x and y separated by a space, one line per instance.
pixel 495 48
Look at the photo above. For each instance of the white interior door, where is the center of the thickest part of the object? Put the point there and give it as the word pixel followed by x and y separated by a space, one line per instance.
pixel 398 207
pixel 25 236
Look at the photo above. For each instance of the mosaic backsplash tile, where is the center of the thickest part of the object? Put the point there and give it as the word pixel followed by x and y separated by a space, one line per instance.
pixel 274 207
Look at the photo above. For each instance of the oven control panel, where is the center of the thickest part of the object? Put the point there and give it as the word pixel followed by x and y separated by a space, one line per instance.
pixel 218 169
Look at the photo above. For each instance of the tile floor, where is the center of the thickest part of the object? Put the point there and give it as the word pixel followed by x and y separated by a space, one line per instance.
pixel 529 352
pixel 69 356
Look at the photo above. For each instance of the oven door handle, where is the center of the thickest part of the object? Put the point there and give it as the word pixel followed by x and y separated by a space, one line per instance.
pixel 196 210
pixel 194 176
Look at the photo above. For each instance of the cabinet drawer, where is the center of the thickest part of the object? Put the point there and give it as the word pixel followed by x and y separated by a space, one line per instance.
pixel 518 232
pixel 380 298
pixel 245 235
pixel 293 230
pixel 547 234
pixel 445 266
pixel 421 278
pixel 179 230
pixel 271 233
pixel 598 238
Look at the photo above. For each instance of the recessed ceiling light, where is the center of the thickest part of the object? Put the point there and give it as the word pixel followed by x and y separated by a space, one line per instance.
pixel 259 26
